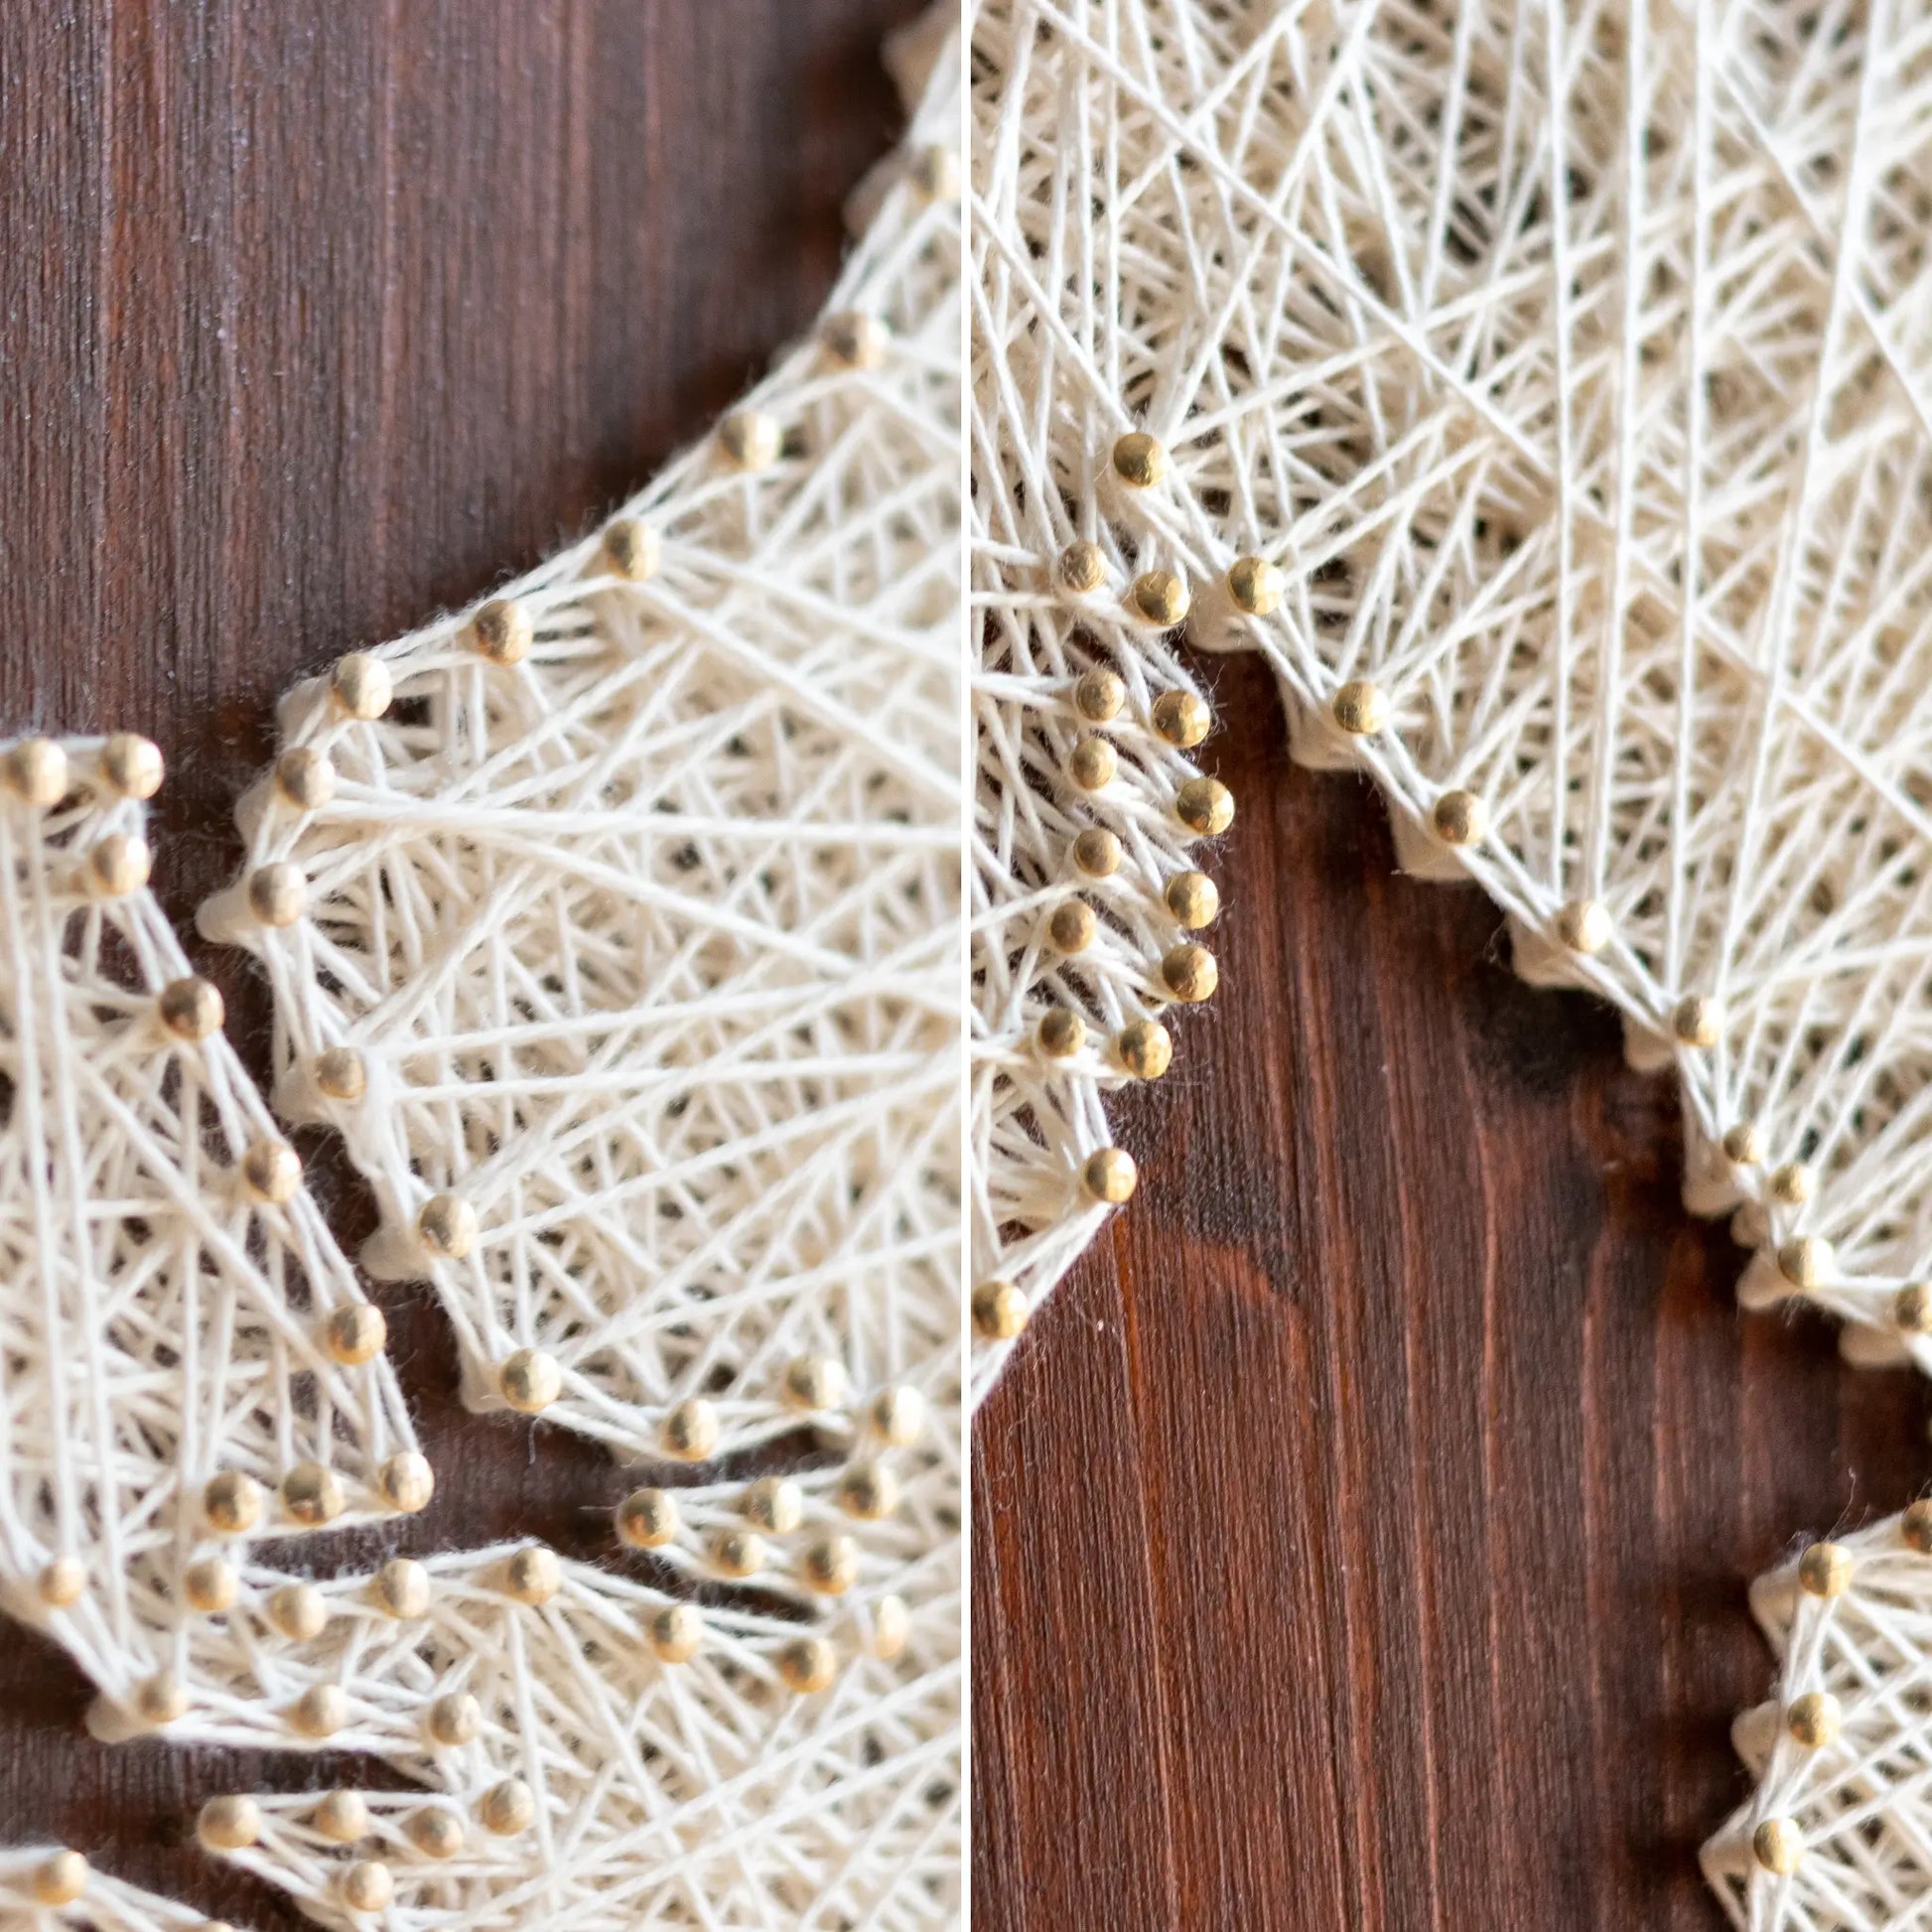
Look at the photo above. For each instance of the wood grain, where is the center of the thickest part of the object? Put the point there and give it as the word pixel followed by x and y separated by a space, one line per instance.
pixel 319 315
pixel 1361 1535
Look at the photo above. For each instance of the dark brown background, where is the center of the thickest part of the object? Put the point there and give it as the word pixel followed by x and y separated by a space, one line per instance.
pixel 1361 1534
pixel 319 314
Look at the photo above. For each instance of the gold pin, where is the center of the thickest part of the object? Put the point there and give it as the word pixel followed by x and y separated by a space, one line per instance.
pixel 1193 900
pixel 1814 1719
pixel 830 1566
pixel 1098 696
pixel 1460 818
pixel 533 1577
pixel 1092 763
pixel 1144 1048
pixel 507 1808
pixel 737 1553
pixel 870 1490
pixel 1000 1311
pixel 342 1816
pixel 1204 806
pixel 341 1074
pixel 63 1584
pixel 1082 567
pixel 232 1503
pixel 191 1009
pixel 230 1824
pixel 271 1172
pixel 1360 708
pixel 299 1611
pixel 131 766
pixel 1139 461
pixel 36 771
pixel 1794 1184
pixel 530 1381
pixel 896 1415
pixel 1161 598
pixel 1097 853
pixel 1911 1309
pixel 211 1585
pixel 402 1590
pixel 304 778
pixel 1916 1527
pixel 854 339
pixel 118 865
pixel 503 631
pixel 368 1886
pixel 1189 973
pixel 1824 1570
pixel 1778 1846
pixel 278 894
pixel 312 1494
pixel 60 1880
pixel 751 439
pixel 436 1832
pixel 1061 1033
pixel 455 1720
pixel 1744 1146
pixel 1255 585
pixel 1180 719
pixel 1697 1021
pixel 1584 925
pixel 813 1382
pixel 892 1626
pixel 774 1504
pixel 447 1224
pixel 647 1519
pixel 675 1633
pixel 406 1482
pixel 691 1430
pixel 355 1333
pixel 361 686
pixel 1072 927
pixel 935 173
pixel 808 1665
pixel 162 1700
pixel 1109 1176
pixel 631 550
pixel 1806 1262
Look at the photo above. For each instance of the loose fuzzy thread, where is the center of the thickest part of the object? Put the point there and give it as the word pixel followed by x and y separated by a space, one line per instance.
pixel 1564 447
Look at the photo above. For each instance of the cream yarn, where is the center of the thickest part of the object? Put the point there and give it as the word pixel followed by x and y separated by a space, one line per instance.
pixel 615 925
pixel 1566 443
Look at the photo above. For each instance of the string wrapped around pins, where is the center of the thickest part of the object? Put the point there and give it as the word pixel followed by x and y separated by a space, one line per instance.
pixel 1564 378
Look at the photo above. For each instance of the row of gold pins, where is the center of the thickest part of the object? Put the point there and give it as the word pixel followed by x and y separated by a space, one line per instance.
pixel 1814 1719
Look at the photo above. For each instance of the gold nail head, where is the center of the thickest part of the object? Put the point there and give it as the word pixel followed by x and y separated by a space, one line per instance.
pixel 854 339
pixel 448 1226
pixel 1098 696
pixel 774 1504
pixel 1794 1184
pixel 1204 806
pixel 36 771
pixel 1255 585
pixel 1161 598
pixel 503 630
pixel 406 1482
pixel 402 1590
pixel 1082 567
pixel 896 1415
pixel 1061 1033
pixel 935 173
pixel 737 1553
pixel 304 778
pixel 162 1700
pixel 1916 1527
pixel 647 1519
pixel 691 1430
pixel 1193 899
pixel 1697 1021
pixel 1072 927
pixel 132 766
pixel 119 864
pixel 814 1382
pixel 320 1712
pixel 1189 973
pixel 870 1490
pixel 1144 1048
pixel 631 550
pixel 1460 818
pixel 1360 708
pixel 1806 1262
pixel 1097 853
pixel 892 1626
pixel 368 1886
pixel 1744 1146
pixel 1180 719
pixel 455 1720
pixel 361 686
pixel 1814 1719
pixel 232 1503
pixel 1778 1845
pixel 1824 1570
pixel 1911 1309
pixel 830 1566
pixel 342 1816
pixel 60 1880
pixel 1584 925
pixel 1139 461
pixel 230 1824
pixel 1109 1176
pixel 211 1585
pixel 751 439
pixel 355 1333
pixel 436 1832
pixel 507 1808
pixel 63 1584
pixel 675 1633
pixel 530 1381
pixel 1092 763
pixel 191 1009
pixel 340 1073
pixel 1000 1311
pixel 312 1494
pixel 271 1172
pixel 299 1611
pixel 278 894
pixel 808 1665
pixel 533 1577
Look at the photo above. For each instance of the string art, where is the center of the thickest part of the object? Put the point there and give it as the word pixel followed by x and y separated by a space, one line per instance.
pixel 1545 391
pixel 615 925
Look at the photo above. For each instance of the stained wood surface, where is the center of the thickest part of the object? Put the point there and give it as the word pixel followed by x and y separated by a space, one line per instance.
pixel 1361 1534
pixel 320 316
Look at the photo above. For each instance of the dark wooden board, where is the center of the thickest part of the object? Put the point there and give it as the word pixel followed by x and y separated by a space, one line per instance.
pixel 1361 1535
pixel 317 316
